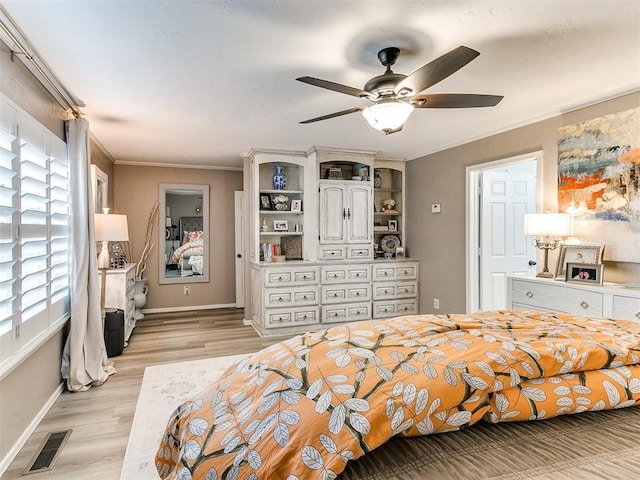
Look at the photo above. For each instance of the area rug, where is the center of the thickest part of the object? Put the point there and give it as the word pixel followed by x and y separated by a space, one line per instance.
pixel 164 387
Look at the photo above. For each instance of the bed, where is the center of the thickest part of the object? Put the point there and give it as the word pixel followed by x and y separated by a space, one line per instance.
pixel 306 408
pixel 189 256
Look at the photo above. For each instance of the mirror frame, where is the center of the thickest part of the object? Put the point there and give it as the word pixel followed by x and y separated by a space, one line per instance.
pixel 203 190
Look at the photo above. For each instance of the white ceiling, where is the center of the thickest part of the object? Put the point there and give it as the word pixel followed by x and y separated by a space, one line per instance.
pixel 201 82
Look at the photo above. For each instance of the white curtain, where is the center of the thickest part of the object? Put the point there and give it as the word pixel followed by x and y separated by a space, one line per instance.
pixel 85 361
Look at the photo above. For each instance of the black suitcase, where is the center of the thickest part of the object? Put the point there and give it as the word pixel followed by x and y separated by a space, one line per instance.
pixel 114 332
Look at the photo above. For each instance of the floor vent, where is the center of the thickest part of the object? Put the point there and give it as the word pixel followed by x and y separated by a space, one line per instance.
pixel 46 456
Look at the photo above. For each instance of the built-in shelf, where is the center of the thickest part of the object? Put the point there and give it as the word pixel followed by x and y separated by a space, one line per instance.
pixel 279 212
pixel 288 192
pixel 281 234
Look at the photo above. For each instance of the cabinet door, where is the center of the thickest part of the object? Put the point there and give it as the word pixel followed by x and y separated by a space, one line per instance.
pixel 333 213
pixel 359 214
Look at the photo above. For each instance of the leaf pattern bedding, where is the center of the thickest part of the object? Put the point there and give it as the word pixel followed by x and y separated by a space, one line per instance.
pixel 302 408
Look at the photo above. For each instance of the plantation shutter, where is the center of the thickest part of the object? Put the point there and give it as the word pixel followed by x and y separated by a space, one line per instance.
pixel 8 201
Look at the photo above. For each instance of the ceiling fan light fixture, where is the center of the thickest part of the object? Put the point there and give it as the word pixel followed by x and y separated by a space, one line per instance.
pixel 388 115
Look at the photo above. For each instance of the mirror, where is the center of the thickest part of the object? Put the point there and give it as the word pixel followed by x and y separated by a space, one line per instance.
pixel 183 233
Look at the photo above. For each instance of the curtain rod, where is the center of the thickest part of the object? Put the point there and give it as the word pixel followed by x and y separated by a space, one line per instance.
pixel 45 77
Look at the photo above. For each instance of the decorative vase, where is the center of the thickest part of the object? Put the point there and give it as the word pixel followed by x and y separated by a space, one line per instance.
pixel 140 297
pixel 279 178
pixel 377 179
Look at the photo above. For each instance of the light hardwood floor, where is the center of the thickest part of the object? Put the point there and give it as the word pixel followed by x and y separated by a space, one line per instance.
pixel 101 417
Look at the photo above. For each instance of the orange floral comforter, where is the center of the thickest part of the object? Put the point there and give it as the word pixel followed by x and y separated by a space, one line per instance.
pixel 301 409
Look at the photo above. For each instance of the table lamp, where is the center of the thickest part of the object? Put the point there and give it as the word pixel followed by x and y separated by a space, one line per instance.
pixel 549 226
pixel 108 228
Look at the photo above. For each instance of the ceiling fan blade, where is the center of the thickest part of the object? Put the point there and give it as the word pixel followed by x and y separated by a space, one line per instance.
pixel 333 115
pixel 436 70
pixel 455 100
pixel 336 87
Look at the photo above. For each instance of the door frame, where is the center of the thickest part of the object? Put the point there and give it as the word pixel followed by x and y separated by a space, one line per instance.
pixel 473 208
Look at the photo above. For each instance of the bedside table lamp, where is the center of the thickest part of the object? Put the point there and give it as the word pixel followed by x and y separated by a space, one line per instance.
pixel 108 228
pixel 549 226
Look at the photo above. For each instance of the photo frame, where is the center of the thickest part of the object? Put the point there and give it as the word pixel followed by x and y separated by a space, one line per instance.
pixel 590 273
pixel 399 252
pixel 280 202
pixel 100 184
pixel 296 206
pixel 280 226
pixel 577 253
pixel 265 202
pixel 392 225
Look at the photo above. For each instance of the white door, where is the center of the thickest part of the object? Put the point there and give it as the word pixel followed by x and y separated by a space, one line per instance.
pixel 359 214
pixel 239 241
pixel 507 194
pixel 333 214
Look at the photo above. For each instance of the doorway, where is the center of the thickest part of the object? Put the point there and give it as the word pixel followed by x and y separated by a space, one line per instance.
pixel 499 193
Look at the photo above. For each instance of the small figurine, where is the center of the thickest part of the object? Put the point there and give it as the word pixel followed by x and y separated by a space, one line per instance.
pixel 388 205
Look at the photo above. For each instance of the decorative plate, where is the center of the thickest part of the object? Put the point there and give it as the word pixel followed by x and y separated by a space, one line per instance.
pixel 389 243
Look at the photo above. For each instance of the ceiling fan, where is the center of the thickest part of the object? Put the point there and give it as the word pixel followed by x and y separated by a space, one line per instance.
pixel 395 95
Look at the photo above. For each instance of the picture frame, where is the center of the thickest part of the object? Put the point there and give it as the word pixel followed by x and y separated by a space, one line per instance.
pixel 392 225
pixel 296 206
pixel 265 202
pixel 577 253
pixel 590 273
pixel 280 226
pixel 280 202
pixel 399 252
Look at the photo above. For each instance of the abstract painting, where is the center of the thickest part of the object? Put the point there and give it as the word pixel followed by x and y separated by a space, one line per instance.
pixel 599 181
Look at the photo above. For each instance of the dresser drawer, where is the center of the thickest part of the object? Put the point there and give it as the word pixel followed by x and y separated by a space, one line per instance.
pixel 626 308
pixel 346 313
pixel 332 253
pixel 345 293
pixel 293 276
pixel 557 297
pixel 346 273
pixel 360 251
pixel 394 308
pixel 275 297
pixel 291 317
pixel 394 290
pixel 395 271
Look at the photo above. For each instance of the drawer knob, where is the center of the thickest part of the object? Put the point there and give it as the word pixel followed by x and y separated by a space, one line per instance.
pixel 305 297
pixel 358 312
pixel 357 274
pixel 584 304
pixel 335 295
pixel 405 309
pixel 385 310
pixel 304 277
pixel 386 273
pixel 386 291
pixel 335 314
pixel 304 317
pixel 529 294
pixel 357 294
pixel 279 279
pixel 279 319
pixel 279 299
pixel 333 253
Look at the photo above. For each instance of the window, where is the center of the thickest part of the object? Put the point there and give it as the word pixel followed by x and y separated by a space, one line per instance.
pixel 34 233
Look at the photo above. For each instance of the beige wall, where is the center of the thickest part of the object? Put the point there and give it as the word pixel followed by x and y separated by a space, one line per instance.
pixel 135 191
pixel 438 241
pixel 25 391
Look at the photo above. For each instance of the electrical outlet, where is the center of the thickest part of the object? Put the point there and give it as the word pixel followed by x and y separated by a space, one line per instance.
pixel 436 303
pixel 187 289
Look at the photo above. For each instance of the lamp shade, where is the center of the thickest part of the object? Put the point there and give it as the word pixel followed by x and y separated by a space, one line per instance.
pixel 111 227
pixel 549 224
pixel 387 115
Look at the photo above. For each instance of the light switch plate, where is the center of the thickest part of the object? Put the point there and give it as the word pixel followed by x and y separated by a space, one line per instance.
pixel 436 208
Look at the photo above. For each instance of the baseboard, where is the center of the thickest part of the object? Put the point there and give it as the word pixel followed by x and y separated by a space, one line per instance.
pixel 188 308
pixel 247 322
pixel 13 453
